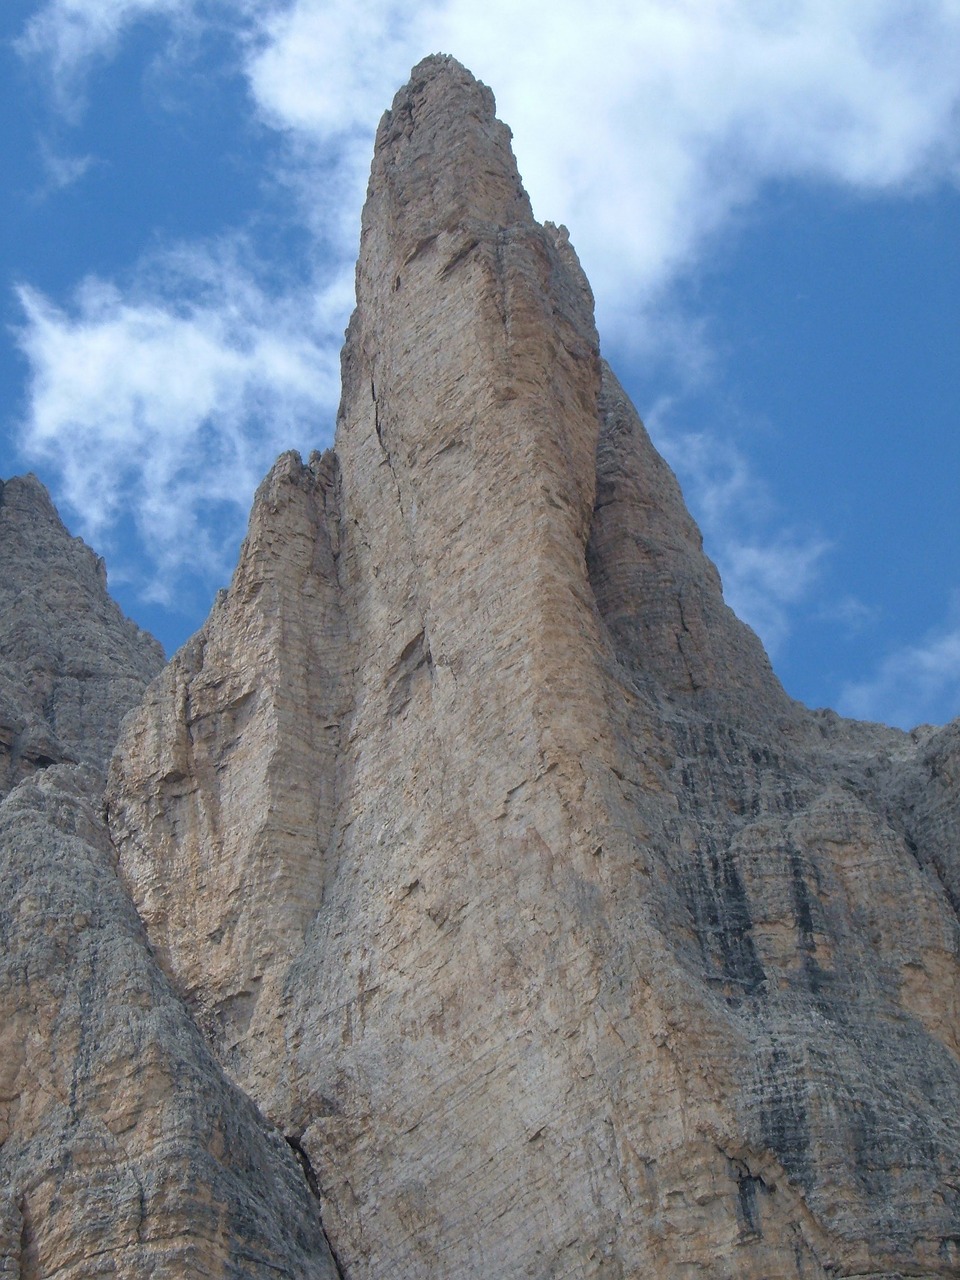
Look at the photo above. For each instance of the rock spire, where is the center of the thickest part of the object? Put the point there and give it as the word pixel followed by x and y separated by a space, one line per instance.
pixel 564 943
pixel 124 1150
pixel 479 840
pixel 70 664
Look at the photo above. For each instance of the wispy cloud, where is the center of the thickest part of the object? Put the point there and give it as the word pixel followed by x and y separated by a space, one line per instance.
pixel 851 613
pixel 648 127
pixel 645 126
pixel 61 170
pixel 66 36
pixel 324 69
pixel 767 567
pixel 170 412
pixel 912 684
pixel 764 583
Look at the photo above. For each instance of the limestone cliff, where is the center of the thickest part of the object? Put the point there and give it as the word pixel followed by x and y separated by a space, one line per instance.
pixel 485 847
pixel 70 664
pixel 124 1151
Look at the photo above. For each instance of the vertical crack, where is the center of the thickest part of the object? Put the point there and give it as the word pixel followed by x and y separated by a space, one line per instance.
pixel 311 1179
pixel 27 1262
pixel 376 415
pixel 378 427
pixel 685 630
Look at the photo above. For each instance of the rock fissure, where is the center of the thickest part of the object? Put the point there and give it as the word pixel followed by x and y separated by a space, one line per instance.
pixel 311 1180
pixel 498 866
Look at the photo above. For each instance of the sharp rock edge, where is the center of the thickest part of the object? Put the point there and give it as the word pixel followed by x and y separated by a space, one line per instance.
pixel 474 840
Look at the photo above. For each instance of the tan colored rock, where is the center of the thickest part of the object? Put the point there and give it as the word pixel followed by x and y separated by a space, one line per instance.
pixel 570 945
pixel 124 1150
pixel 232 766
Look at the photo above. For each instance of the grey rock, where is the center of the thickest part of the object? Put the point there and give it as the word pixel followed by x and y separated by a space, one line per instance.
pixel 476 840
pixel 71 665
pixel 124 1150
pixel 620 962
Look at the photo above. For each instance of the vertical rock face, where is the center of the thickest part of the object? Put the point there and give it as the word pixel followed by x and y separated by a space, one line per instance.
pixel 70 664
pixel 658 594
pixel 232 772
pixel 486 847
pixel 124 1151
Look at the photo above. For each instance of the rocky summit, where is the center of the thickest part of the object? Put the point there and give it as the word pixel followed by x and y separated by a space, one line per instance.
pixel 467 898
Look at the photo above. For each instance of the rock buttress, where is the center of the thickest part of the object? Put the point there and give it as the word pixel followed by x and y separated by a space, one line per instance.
pixel 70 664
pixel 221 795
pixel 607 959
pixel 124 1150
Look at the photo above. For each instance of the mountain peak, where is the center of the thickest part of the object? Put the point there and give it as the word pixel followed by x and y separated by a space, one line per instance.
pixel 71 665
pixel 442 158
pixel 484 847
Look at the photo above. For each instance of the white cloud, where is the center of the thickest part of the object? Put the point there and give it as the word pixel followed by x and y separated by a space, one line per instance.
pixel 911 685
pixel 851 613
pixel 767 569
pixel 645 125
pixel 67 35
pixel 329 69
pixel 762 582
pixel 171 413
pixel 61 170
pixel 648 126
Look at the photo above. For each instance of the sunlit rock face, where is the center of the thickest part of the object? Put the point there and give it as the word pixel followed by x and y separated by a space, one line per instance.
pixel 482 845
pixel 124 1149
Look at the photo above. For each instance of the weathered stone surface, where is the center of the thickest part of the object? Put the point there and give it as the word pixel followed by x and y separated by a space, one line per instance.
pixel 124 1150
pixel 658 594
pixel 230 762
pixel 570 945
pixel 71 665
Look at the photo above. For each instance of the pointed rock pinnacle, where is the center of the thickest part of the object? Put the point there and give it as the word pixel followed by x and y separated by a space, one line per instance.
pixel 496 863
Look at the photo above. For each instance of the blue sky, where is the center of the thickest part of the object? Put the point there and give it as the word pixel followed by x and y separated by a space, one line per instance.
pixel 764 195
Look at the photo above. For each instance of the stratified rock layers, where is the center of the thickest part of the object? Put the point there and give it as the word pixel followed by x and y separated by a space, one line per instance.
pixel 124 1149
pixel 487 849
pixel 70 664
pixel 236 749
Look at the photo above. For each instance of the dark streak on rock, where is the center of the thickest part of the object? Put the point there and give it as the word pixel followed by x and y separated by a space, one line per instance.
pixel 311 1179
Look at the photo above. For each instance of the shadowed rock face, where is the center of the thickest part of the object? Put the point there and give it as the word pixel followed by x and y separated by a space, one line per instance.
pixel 565 943
pixel 487 851
pixel 71 665
pixel 124 1151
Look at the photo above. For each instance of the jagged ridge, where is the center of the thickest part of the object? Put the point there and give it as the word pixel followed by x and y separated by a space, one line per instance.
pixel 483 844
